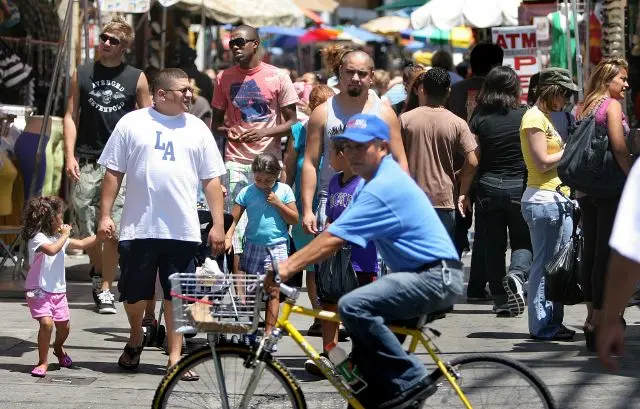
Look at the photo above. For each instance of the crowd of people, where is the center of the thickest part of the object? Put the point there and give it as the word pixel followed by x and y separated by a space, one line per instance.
pixel 391 167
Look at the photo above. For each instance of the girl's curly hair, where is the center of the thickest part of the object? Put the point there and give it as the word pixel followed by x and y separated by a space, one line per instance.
pixel 39 215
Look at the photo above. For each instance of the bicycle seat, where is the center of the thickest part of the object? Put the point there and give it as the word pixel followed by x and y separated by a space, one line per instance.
pixel 432 316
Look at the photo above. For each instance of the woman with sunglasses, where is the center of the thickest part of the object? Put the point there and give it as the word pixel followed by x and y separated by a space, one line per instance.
pixel 547 212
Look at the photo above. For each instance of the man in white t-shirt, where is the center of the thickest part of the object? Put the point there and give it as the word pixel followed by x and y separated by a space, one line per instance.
pixel 165 152
pixel 624 270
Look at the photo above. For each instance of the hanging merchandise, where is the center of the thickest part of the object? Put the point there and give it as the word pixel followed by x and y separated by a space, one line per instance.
pixel 613 29
pixel 559 33
pixel 595 39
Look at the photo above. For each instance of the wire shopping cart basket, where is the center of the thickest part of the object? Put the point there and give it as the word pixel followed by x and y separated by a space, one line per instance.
pixel 207 303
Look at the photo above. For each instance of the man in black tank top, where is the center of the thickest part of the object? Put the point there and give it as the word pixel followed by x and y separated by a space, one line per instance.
pixel 101 94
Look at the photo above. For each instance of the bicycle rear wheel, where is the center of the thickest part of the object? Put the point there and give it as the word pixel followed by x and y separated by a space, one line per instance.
pixel 277 388
pixel 492 382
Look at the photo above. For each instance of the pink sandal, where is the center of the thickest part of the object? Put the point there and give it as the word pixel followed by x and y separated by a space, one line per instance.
pixel 64 361
pixel 39 372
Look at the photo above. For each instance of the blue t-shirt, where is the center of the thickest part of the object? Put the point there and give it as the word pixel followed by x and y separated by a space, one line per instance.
pixel 265 226
pixel 393 212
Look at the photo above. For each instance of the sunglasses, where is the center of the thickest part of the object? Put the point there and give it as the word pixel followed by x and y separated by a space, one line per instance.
pixel 112 40
pixel 239 42
pixel 182 90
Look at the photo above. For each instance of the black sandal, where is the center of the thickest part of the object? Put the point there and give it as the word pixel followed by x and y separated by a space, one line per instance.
pixel 130 358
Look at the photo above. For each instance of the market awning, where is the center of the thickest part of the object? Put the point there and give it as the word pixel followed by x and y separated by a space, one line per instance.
pixel 458 37
pixel 317 5
pixel 401 4
pixel 257 13
pixel 361 35
pixel 446 14
pixel 312 15
pixel 387 25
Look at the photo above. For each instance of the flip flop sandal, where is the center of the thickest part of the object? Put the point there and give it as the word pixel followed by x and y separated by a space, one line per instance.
pixel 39 372
pixel 190 376
pixel 64 361
pixel 130 358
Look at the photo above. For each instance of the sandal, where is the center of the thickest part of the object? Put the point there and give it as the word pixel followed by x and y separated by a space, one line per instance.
pixel 39 372
pixel 130 358
pixel 64 361
pixel 189 376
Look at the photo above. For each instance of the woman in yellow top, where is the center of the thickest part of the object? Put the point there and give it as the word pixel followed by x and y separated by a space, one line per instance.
pixel 547 212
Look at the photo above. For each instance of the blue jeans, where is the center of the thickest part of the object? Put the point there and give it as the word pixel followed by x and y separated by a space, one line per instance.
pixel 498 210
pixel 550 225
pixel 377 352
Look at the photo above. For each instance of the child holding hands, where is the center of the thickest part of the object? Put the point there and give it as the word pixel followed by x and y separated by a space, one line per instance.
pixel 270 207
pixel 45 287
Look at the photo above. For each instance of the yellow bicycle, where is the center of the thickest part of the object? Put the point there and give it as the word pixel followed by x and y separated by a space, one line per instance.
pixel 233 375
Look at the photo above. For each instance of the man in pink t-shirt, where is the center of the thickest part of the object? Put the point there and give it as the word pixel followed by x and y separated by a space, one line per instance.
pixel 259 103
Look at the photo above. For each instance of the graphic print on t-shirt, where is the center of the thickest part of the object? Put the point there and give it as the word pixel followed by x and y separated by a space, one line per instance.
pixel 248 98
pixel 166 147
pixel 107 96
pixel 335 130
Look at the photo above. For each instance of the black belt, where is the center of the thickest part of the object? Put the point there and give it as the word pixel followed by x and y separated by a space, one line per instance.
pixel 441 263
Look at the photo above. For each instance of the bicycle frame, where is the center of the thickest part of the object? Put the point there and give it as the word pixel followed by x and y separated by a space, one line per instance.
pixel 417 337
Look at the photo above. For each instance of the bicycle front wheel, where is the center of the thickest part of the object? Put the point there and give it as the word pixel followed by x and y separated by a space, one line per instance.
pixel 492 382
pixel 276 388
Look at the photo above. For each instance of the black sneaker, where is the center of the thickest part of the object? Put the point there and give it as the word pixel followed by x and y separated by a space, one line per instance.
pixel 313 369
pixel 96 285
pixel 515 293
pixel 413 397
pixel 315 330
pixel 106 302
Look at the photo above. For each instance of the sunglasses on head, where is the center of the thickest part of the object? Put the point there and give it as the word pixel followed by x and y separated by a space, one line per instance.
pixel 239 42
pixel 112 40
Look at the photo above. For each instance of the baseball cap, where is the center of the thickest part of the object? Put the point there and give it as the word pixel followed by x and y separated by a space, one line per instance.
pixel 557 76
pixel 364 128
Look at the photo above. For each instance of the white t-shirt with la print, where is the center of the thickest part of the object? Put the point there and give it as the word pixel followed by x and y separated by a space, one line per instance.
pixel 164 158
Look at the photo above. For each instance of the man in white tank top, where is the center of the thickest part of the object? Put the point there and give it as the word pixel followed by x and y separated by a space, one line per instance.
pixel 354 74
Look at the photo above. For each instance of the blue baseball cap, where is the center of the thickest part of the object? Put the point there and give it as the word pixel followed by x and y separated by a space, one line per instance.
pixel 364 128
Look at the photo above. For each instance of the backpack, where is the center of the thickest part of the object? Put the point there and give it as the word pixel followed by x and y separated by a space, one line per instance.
pixel 588 165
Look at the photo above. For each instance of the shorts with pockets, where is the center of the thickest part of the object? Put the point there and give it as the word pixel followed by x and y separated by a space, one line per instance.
pixel 256 258
pixel 141 260
pixel 85 199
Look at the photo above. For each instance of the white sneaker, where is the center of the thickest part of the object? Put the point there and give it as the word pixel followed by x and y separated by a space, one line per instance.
pixel 106 304
pixel 515 291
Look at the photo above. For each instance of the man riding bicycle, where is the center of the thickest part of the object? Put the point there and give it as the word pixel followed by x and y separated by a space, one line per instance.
pixel 392 211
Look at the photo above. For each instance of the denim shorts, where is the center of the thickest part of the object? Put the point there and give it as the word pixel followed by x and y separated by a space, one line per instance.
pixel 141 260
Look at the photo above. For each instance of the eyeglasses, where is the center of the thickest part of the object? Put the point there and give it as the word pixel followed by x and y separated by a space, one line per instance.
pixel 240 42
pixel 182 90
pixel 112 40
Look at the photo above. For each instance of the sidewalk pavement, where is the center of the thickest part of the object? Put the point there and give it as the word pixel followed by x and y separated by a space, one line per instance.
pixel 574 376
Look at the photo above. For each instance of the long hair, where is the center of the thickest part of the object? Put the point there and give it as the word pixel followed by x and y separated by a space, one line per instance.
pixel 602 75
pixel 40 214
pixel 500 91
pixel 412 101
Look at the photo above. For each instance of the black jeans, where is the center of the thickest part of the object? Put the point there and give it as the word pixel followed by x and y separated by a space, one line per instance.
pixel 463 224
pixel 598 215
pixel 498 210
